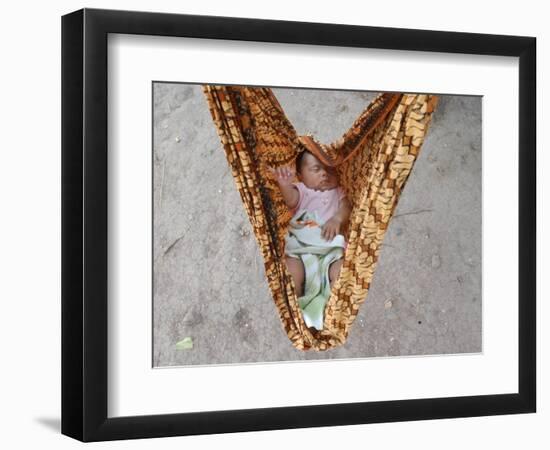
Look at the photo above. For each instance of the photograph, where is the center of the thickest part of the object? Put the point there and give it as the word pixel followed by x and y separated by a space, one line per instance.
pixel 271 225
pixel 295 224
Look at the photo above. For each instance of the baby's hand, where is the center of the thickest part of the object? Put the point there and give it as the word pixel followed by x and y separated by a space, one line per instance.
pixel 331 228
pixel 283 175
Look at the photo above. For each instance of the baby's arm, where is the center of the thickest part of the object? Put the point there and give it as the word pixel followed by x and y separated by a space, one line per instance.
pixel 338 222
pixel 344 211
pixel 284 177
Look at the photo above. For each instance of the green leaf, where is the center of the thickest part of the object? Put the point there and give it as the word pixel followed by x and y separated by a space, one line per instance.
pixel 185 344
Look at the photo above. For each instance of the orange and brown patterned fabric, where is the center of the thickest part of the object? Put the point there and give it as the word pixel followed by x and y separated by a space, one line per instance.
pixel 373 159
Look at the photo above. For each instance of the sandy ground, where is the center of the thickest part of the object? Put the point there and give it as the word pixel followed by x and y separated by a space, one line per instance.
pixel 209 282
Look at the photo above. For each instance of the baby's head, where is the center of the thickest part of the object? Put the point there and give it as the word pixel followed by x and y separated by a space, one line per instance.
pixel 314 174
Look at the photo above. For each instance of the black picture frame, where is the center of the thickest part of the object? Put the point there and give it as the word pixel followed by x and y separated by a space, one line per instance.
pixel 84 224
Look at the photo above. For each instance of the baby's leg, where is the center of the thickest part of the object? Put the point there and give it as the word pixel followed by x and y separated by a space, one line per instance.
pixel 296 268
pixel 334 270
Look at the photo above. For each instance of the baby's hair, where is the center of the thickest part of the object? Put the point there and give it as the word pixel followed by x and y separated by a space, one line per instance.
pixel 300 158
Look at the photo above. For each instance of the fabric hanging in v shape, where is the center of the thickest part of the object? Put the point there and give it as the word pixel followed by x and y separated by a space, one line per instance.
pixel 372 162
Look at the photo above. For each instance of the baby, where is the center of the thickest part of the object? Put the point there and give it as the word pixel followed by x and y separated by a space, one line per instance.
pixel 317 191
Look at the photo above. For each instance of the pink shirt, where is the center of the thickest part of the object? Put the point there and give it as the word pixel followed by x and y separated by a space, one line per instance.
pixel 326 203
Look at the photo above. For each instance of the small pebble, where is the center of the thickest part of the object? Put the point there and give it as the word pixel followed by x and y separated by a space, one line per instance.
pixel 219 191
pixel 388 304
pixel 178 139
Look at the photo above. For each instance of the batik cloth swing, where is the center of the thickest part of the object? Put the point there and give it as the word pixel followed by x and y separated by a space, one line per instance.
pixel 373 160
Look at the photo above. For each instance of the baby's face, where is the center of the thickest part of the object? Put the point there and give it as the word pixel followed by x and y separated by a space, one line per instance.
pixel 315 175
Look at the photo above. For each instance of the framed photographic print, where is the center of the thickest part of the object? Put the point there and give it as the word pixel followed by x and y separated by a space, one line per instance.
pixel 267 223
